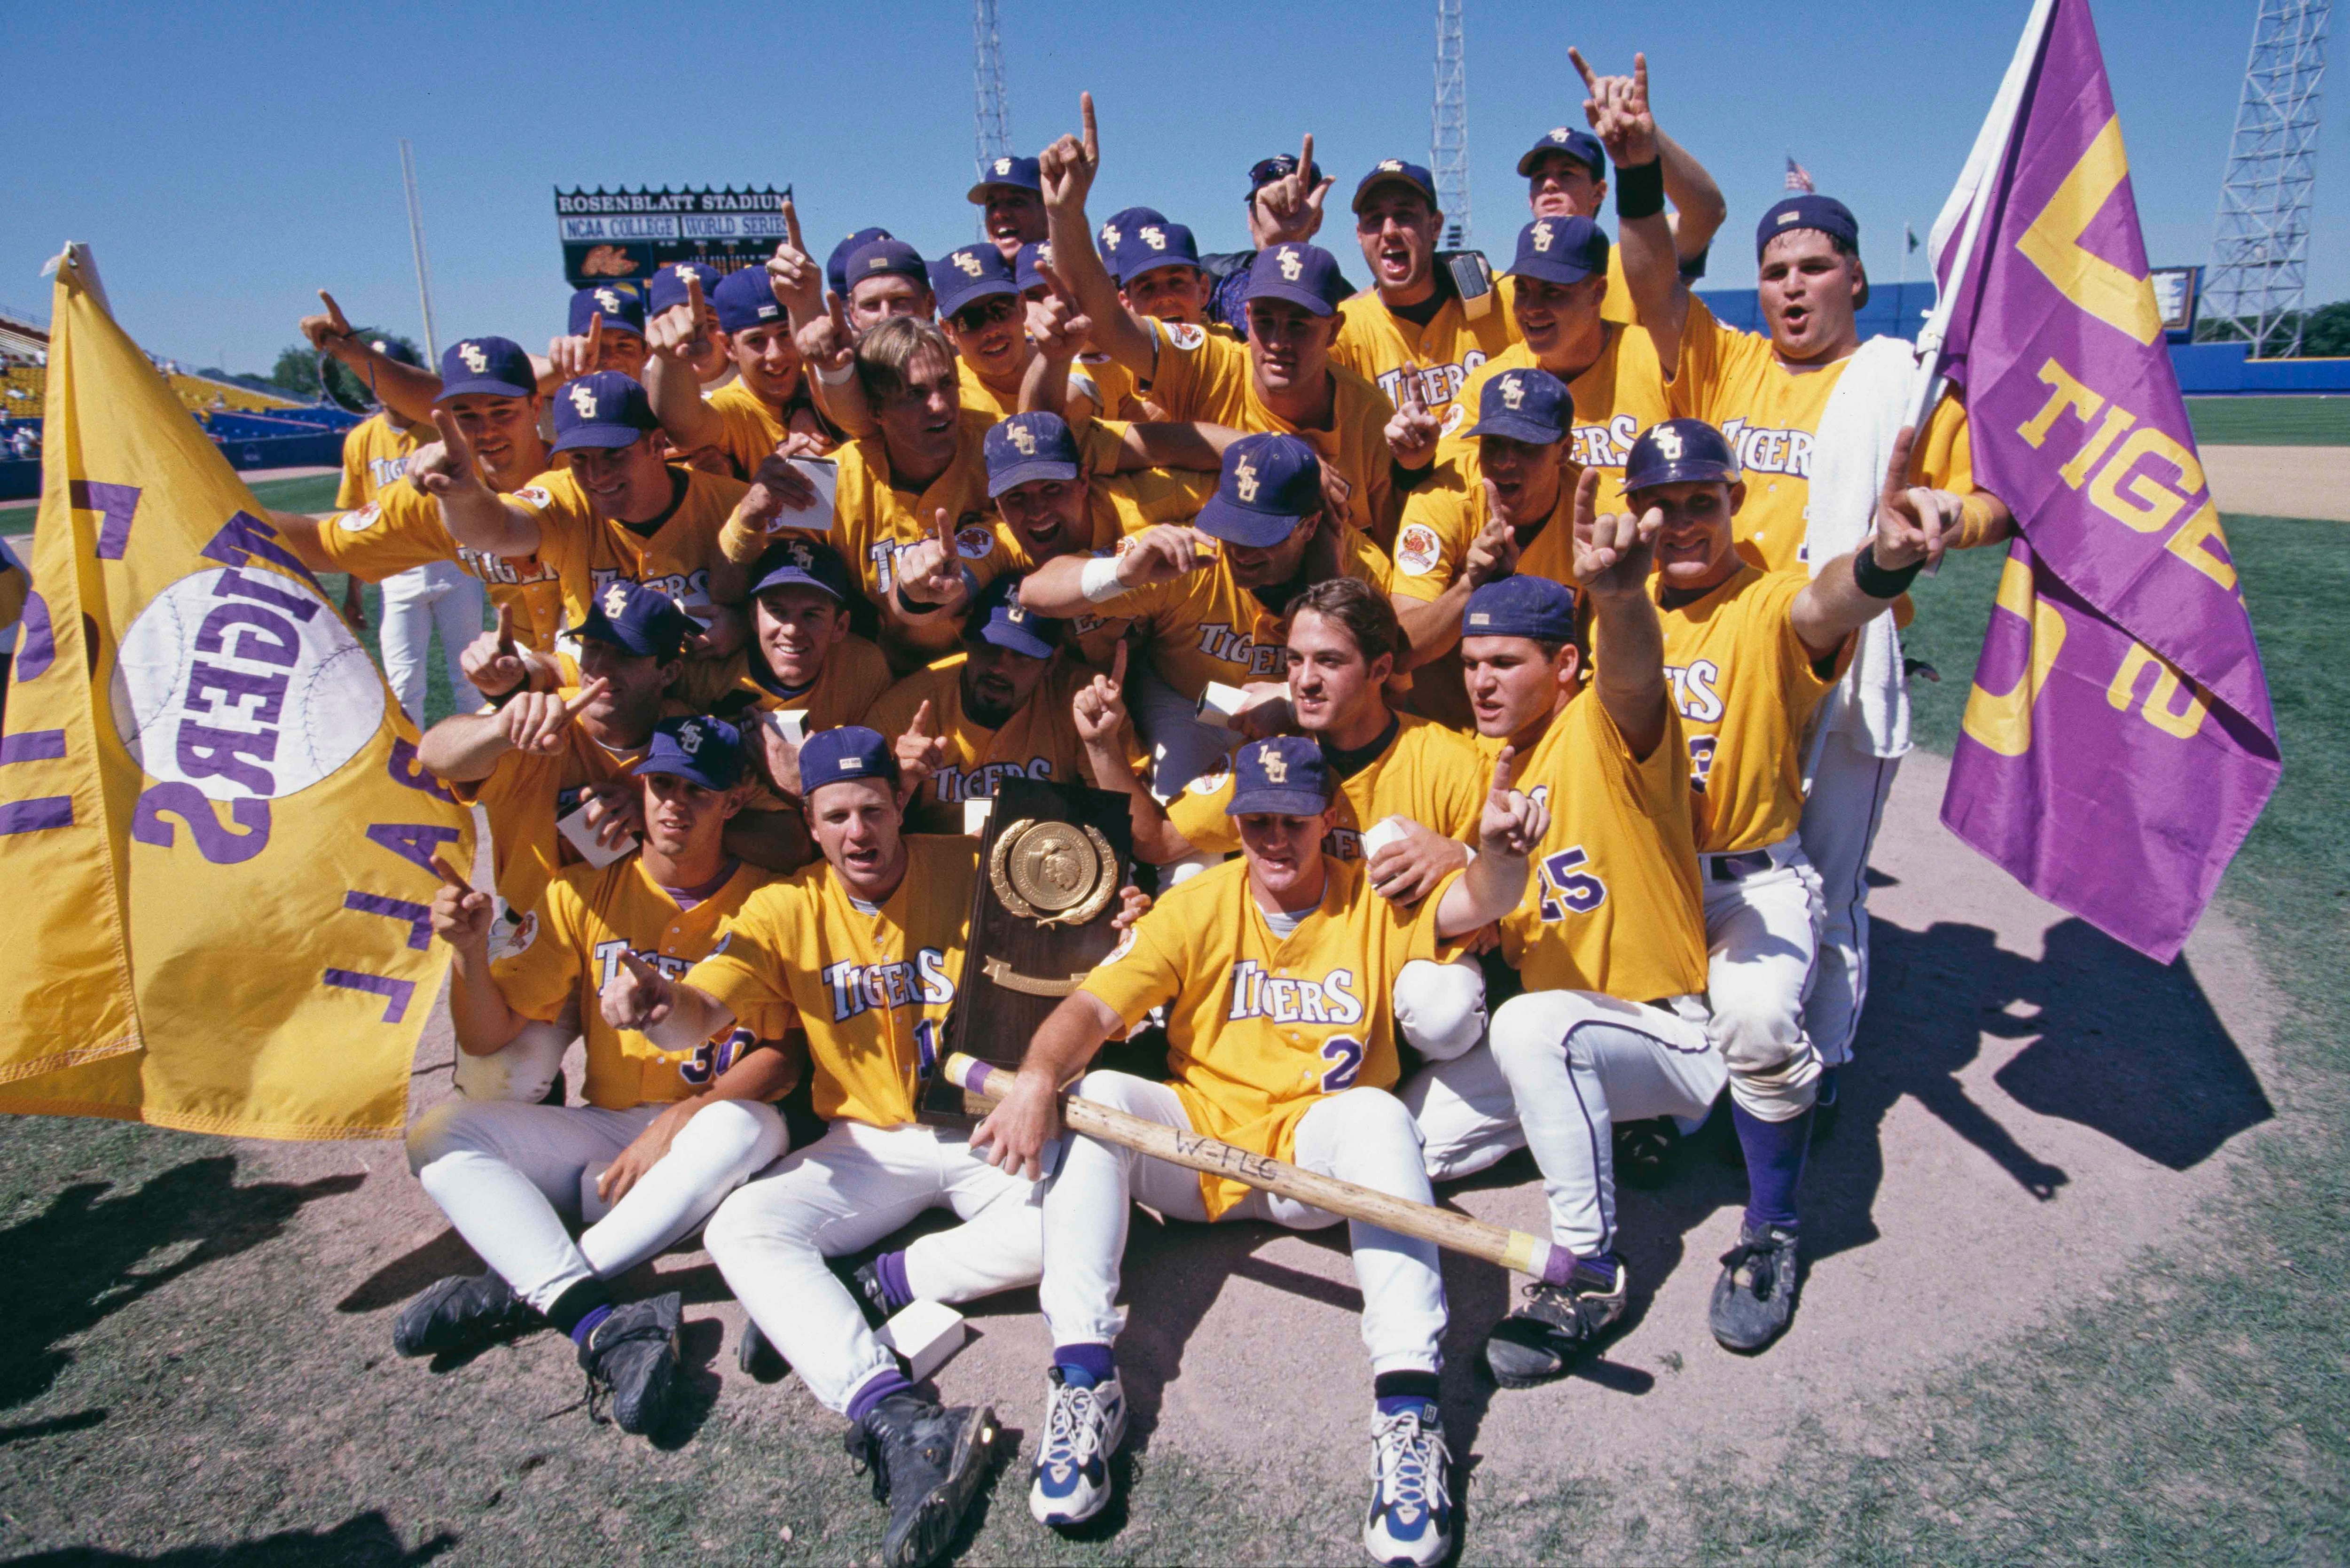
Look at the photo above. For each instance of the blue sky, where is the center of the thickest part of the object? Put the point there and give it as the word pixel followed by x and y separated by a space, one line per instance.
pixel 225 161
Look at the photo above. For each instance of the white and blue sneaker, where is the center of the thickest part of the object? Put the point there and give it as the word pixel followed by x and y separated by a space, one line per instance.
pixel 1083 1428
pixel 1411 1522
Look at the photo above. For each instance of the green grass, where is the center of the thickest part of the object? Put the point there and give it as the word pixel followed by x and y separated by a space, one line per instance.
pixel 311 492
pixel 2269 421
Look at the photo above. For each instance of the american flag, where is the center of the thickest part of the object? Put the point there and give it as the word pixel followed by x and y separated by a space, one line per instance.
pixel 1798 177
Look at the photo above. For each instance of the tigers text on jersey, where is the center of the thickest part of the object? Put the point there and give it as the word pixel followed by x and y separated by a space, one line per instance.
pixel 1383 347
pixel 1201 375
pixel 871 990
pixel 1431 774
pixel 854 676
pixel 588 552
pixel 1205 627
pixel 401 528
pixel 1039 743
pixel 1745 687
pixel 1735 382
pixel 1616 397
pixel 571 945
pixel 1121 504
pixel 524 797
pixel 374 454
pixel 1260 1026
pixel 1615 905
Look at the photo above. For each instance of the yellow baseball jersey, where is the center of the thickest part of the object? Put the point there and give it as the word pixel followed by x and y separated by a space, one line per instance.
pixel 1615 905
pixel 401 528
pixel 1039 743
pixel 978 397
pixel 1620 394
pixel 1771 414
pixel 871 990
pixel 1113 389
pixel 1383 347
pixel 374 454
pixel 751 430
pixel 1431 774
pixel 526 793
pixel 570 946
pixel 1121 504
pixel 588 552
pixel 1260 1026
pixel 854 676
pixel 1205 627
pixel 1200 376
pixel 1745 687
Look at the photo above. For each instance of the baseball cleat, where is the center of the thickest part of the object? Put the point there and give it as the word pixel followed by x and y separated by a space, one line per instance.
pixel 864 1285
pixel 1543 1338
pixel 927 1462
pixel 755 1354
pixel 1410 1521
pixel 1755 1297
pixel 1083 1428
pixel 632 1355
pixel 462 1313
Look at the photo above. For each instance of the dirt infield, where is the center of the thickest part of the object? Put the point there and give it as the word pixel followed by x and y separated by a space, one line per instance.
pixel 200 1349
pixel 2281 481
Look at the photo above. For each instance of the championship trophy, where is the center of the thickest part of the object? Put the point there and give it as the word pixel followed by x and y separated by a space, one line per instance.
pixel 1051 863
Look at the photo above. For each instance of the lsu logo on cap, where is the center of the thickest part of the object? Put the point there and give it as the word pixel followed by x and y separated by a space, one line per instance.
pixel 1292 266
pixel 609 300
pixel 1154 236
pixel 1004 166
pixel 1669 441
pixel 968 263
pixel 1015 612
pixel 1020 437
pixel 1558 134
pixel 1542 236
pixel 1514 391
pixel 1244 479
pixel 689 737
pixel 803 557
pixel 475 361
pixel 615 599
pixel 1044 253
pixel 1108 239
pixel 1390 165
pixel 583 398
pixel 1270 760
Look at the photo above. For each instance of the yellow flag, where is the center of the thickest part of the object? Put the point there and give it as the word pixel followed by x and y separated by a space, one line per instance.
pixel 214 833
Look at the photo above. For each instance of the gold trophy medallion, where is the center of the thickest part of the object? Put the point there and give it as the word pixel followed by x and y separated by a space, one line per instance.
pixel 1054 873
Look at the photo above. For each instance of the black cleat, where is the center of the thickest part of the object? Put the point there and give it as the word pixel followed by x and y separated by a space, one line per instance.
pixel 1647 1151
pixel 757 1356
pixel 632 1355
pixel 462 1313
pixel 1755 1297
pixel 864 1285
pixel 1542 1339
pixel 926 1463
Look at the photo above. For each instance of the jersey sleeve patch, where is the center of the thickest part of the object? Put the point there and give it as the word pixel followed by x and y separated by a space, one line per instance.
pixel 1185 336
pixel 974 543
pixel 361 519
pixel 532 496
pixel 1418 550
pixel 1454 418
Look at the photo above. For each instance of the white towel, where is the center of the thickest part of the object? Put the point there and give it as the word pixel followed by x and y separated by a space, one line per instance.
pixel 1854 442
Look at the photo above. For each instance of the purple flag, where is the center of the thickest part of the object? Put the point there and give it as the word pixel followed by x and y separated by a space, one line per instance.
pixel 2118 743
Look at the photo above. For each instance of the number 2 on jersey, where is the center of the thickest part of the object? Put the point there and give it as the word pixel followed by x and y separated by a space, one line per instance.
pixel 1566 890
pixel 1346 1059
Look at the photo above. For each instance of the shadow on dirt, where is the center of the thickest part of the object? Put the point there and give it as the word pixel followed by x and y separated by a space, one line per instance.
pixel 363 1541
pixel 95 1250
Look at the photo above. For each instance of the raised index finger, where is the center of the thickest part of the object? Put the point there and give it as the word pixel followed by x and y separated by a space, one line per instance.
pixel 1590 80
pixel 1896 467
pixel 1117 666
pixel 587 694
pixel 505 627
pixel 335 313
pixel 450 878
pixel 1586 500
pixel 1502 771
pixel 1093 132
pixel 1640 79
pixel 792 226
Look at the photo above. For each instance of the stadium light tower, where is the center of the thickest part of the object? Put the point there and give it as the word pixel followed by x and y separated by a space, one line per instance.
pixel 1450 156
pixel 2260 248
pixel 416 239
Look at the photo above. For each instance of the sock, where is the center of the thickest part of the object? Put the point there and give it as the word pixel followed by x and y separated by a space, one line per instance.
pixel 875 1389
pixel 1417 1392
pixel 1774 1164
pixel 585 1329
pixel 1082 1366
pixel 577 1303
pixel 889 1268
pixel 1601 1270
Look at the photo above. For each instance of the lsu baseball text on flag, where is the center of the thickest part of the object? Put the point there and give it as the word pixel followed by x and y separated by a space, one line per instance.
pixel 2118 743
pixel 217 836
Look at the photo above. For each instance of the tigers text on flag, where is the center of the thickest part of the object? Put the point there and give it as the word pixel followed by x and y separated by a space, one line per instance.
pixel 2118 743
pixel 218 839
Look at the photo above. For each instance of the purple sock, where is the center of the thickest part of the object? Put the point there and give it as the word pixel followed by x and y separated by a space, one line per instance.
pixel 1774 1164
pixel 582 1331
pixel 889 1268
pixel 1082 1366
pixel 875 1389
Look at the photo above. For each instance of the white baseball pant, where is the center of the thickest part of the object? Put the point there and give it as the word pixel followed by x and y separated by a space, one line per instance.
pixel 438 594
pixel 523 1069
pixel 506 1174
pixel 1762 931
pixel 1361 1136
pixel 844 1192
pixel 1850 785
pixel 1441 1007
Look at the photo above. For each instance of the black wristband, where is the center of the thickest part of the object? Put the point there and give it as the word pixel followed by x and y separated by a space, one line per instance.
pixel 1880 582
pixel 1641 188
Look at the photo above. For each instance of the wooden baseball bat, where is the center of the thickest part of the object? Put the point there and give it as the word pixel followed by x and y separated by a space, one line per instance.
pixel 1454 1232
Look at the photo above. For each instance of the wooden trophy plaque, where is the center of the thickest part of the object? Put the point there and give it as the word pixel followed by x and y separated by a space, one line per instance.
pixel 1050 867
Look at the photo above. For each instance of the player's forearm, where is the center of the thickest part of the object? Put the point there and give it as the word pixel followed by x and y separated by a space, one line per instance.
pixel 843 403
pixel 298 531
pixel 1065 1043
pixel 1432 626
pixel 1630 681
pixel 474 516
pixel 676 397
pixel 408 390
pixel 464 748
pixel 1699 208
pixel 1118 331
pixel 1045 386
pixel 1653 278
pixel 1156 841
pixel 1057 589
pixel 1833 608
pixel 1494 885
pixel 1983 519
pixel 695 1015
pixel 772 840
pixel 1182 443
pixel 763 1072
pixel 479 1014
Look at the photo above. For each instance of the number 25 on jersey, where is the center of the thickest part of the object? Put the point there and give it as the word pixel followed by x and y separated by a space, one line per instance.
pixel 1566 889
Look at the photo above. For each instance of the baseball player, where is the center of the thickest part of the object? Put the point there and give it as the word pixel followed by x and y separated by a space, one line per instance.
pixel 1054 322
pixel 404 387
pixel 1750 654
pixel 985 317
pixel 1281 379
pixel 1460 534
pixel 863 951
pixel 1210 602
pixel 621 512
pixel 1610 940
pixel 608 333
pixel 1157 266
pixel 1411 333
pixel 671 286
pixel 1011 196
pixel 1001 708
pixel 1285 196
pixel 804 669
pixel 666 1133
pixel 768 403
pixel 1275 972
pixel 1813 415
